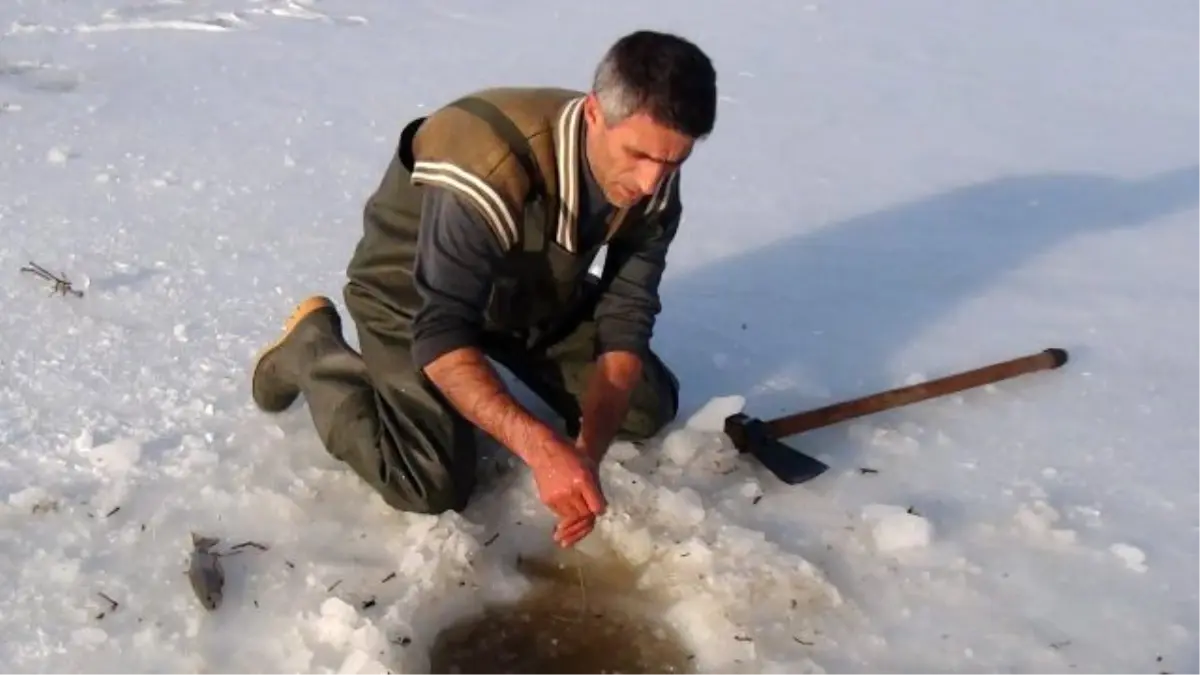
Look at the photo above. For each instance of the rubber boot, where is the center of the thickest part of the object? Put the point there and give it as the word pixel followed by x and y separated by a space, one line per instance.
pixel 282 367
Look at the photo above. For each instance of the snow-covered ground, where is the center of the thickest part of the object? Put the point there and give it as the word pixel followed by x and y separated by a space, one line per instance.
pixel 895 191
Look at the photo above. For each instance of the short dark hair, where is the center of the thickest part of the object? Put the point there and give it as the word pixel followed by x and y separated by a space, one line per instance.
pixel 663 75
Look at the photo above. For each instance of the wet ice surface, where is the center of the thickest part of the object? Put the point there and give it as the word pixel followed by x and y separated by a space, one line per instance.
pixel 891 194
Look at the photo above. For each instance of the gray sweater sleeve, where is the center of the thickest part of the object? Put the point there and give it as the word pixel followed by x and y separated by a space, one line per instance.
pixel 456 258
pixel 457 255
pixel 635 263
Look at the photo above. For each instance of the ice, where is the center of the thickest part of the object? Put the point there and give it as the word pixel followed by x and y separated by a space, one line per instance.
pixel 1133 557
pixel 58 154
pixel 892 193
pixel 622 452
pixel 1038 518
pixel 681 445
pixel 685 506
pixel 894 528
pixel 89 637
pixel 31 499
pixel 714 635
pixel 711 416
pixel 64 572
pixel 804 667
pixel 116 457
pixel 361 662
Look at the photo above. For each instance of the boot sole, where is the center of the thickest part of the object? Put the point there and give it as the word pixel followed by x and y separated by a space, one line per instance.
pixel 303 310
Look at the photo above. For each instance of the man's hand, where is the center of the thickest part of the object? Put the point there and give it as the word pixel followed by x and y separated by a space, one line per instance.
pixel 571 531
pixel 605 404
pixel 569 485
pixel 566 480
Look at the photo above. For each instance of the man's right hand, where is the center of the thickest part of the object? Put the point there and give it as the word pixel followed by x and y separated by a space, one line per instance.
pixel 566 478
pixel 567 482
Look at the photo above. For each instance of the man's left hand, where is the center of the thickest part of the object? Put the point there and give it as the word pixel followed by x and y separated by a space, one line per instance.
pixel 570 532
pixel 604 405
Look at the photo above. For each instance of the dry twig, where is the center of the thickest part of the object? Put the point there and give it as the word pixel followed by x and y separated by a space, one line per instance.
pixel 251 544
pixel 112 605
pixel 62 285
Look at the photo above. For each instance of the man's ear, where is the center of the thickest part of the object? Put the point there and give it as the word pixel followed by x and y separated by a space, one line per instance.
pixel 591 111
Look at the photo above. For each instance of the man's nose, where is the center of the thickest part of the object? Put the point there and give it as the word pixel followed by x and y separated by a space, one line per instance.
pixel 649 176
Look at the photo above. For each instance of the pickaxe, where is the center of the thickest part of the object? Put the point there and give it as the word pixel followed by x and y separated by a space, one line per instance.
pixel 762 438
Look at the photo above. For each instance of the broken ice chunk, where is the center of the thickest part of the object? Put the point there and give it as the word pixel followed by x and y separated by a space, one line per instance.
pixel 711 416
pixel 896 528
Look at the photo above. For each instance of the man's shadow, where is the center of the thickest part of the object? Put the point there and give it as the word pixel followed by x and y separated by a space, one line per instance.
pixel 817 317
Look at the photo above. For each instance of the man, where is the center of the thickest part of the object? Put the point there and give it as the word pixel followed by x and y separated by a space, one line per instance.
pixel 477 244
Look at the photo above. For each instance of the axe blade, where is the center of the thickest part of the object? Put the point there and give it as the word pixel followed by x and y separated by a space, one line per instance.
pixel 791 466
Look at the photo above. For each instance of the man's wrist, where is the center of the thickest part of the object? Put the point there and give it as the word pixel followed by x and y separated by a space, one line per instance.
pixel 543 444
pixel 589 450
pixel 606 401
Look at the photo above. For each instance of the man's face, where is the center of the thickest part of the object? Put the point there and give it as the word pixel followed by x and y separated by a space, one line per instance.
pixel 630 158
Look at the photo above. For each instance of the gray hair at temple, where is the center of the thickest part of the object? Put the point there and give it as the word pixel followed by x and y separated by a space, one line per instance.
pixel 663 75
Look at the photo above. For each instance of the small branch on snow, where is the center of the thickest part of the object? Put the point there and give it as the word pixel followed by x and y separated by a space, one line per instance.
pixel 62 285
pixel 254 544
pixel 113 605
pixel 239 548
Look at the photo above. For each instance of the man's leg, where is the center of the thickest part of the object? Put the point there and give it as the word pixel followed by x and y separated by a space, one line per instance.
pixel 560 375
pixel 371 411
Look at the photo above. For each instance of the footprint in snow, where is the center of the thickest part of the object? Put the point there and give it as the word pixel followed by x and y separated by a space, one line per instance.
pixel 175 15
pixel 35 77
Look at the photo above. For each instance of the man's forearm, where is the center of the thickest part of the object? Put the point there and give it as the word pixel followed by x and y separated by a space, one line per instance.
pixel 606 400
pixel 465 377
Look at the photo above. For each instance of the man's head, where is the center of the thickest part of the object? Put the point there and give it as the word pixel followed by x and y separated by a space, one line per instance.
pixel 654 95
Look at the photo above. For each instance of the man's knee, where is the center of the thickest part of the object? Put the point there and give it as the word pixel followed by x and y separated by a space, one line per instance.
pixel 424 483
pixel 655 402
pixel 427 462
pixel 432 498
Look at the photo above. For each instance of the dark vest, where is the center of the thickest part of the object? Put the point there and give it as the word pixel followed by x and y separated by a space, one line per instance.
pixel 513 154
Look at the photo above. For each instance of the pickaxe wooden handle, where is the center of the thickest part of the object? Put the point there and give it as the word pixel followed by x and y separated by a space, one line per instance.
pixel 761 438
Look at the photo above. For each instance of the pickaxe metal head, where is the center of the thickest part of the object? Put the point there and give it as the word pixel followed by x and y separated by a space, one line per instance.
pixel 750 435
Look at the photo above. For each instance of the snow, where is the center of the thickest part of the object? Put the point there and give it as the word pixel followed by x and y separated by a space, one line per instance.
pixel 894 192
pixel 894 528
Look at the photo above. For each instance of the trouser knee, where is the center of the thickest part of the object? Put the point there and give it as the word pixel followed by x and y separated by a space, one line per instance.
pixel 426 472
pixel 654 404
pixel 431 500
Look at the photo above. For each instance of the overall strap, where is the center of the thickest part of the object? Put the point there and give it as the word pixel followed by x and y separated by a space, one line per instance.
pixel 532 239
